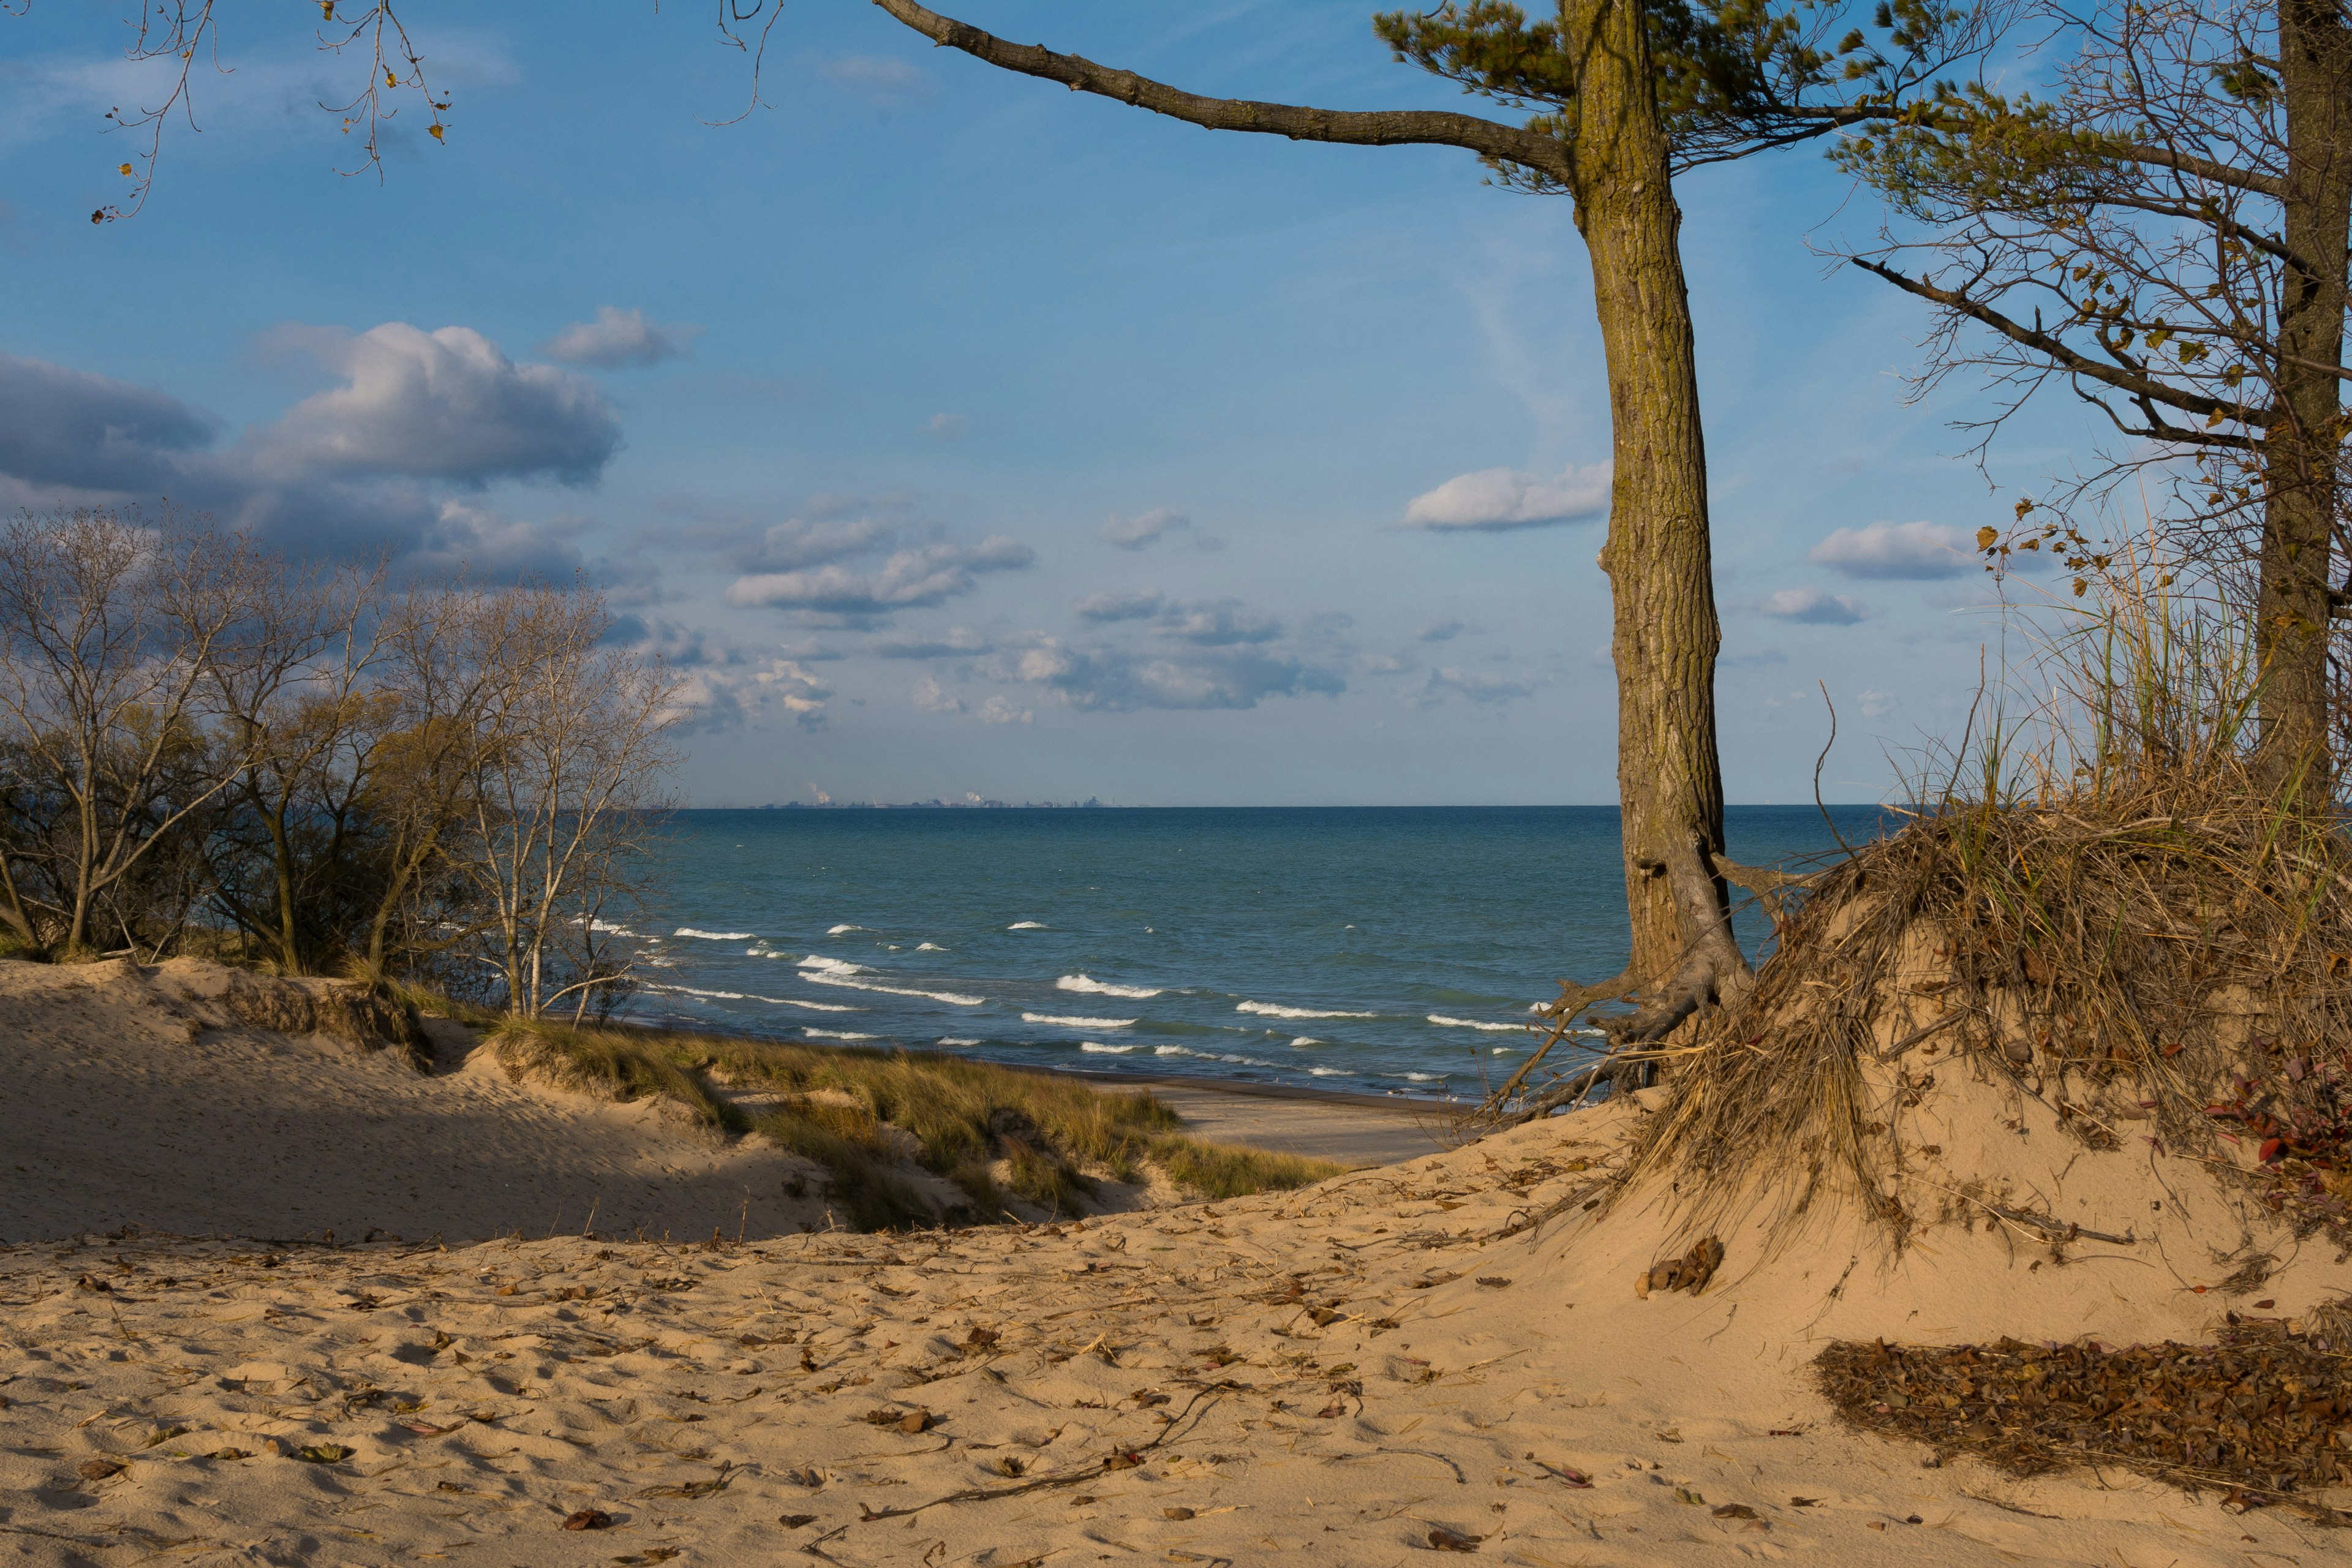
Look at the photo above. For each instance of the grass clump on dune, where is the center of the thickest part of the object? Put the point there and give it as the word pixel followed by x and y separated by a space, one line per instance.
pixel 865 1115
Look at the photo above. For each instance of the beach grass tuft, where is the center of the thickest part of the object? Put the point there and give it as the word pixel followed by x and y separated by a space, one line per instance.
pixel 870 1117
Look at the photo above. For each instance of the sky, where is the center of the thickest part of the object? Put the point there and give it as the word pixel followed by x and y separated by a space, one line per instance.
pixel 954 436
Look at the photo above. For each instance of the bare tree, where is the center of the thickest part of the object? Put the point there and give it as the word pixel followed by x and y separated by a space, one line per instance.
pixel 2166 238
pixel 574 741
pixel 304 709
pixel 108 629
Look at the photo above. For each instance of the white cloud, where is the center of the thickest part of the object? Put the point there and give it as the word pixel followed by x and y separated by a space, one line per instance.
pixel 931 697
pixel 617 338
pixel 1876 704
pixel 1813 606
pixel 1139 532
pixel 725 685
pixel 945 426
pixel 879 79
pixel 1493 499
pixel 1220 625
pixel 1121 679
pixel 1915 552
pixel 909 579
pixel 1002 710
pixel 444 405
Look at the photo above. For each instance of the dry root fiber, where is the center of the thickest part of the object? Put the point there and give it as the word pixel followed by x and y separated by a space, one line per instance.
pixel 2266 1415
pixel 2168 964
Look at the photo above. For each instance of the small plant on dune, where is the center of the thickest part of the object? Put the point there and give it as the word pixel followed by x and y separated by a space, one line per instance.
pixel 2117 904
pixel 861 1114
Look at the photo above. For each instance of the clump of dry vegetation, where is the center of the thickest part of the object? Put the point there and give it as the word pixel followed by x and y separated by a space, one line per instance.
pixel 865 1116
pixel 2255 1416
pixel 2125 908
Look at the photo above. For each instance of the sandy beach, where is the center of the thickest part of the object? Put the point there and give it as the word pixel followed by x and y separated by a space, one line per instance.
pixel 1446 1353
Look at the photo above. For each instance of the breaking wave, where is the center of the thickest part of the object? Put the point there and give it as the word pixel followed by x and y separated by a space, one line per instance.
pixel 1442 1021
pixel 716 935
pixel 1115 1050
pixel 1026 925
pixel 1272 1010
pixel 953 998
pixel 1093 987
pixel 1064 1023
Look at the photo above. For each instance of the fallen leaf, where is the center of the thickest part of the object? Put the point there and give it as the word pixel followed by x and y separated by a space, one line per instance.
pixel 1734 1511
pixel 1446 1539
pixel 795 1520
pixel 324 1454
pixel 589 1518
pixel 99 1469
pixel 1803 1502
pixel 1175 1513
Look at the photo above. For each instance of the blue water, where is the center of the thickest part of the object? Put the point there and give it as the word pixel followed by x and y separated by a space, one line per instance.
pixel 1370 949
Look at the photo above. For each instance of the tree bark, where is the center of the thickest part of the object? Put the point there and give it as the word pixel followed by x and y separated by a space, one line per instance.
pixel 1615 164
pixel 2301 482
pixel 1669 780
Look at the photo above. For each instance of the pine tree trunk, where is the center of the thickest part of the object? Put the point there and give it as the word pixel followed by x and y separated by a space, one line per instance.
pixel 1669 780
pixel 2301 487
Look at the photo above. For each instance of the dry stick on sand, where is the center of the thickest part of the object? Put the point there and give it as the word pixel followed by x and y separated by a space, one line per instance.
pixel 1067 1477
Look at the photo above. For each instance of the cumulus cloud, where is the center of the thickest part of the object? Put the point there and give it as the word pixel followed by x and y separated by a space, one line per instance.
pixel 1119 680
pixel 909 579
pixel 1813 606
pixel 68 427
pixel 1494 500
pixel 1001 709
pixel 447 404
pixel 1220 625
pixel 723 684
pixel 1140 532
pixel 1441 631
pixel 1877 704
pixel 617 338
pixel 1102 607
pixel 355 470
pixel 933 697
pixel 800 542
pixel 1913 551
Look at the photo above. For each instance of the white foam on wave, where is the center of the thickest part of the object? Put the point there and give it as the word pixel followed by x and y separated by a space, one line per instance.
pixel 1094 987
pixel 716 935
pixel 1420 1076
pixel 1442 1022
pixel 691 991
pixel 930 947
pixel 1060 1022
pixel 610 928
pixel 838 1034
pixel 953 998
pixel 1026 925
pixel 1115 1050
pixel 1210 1056
pixel 1303 1041
pixel 951 1040
pixel 1328 1072
pixel 1272 1010
pixel 830 966
pixel 812 1006
pixel 842 929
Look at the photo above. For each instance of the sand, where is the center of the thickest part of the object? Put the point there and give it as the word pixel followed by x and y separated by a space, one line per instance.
pixel 1338 1375
pixel 131 1098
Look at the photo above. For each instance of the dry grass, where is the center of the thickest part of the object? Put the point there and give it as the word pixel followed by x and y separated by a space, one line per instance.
pixel 865 1116
pixel 2115 906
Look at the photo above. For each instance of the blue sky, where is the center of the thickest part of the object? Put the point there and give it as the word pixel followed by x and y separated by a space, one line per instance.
pixel 953 433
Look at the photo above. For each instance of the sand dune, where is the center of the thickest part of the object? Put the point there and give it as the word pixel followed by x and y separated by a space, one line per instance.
pixel 1396 1361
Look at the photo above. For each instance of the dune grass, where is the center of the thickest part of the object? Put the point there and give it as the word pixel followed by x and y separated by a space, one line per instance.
pixel 863 1115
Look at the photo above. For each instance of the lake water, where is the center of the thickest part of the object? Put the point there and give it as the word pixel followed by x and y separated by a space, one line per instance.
pixel 1378 950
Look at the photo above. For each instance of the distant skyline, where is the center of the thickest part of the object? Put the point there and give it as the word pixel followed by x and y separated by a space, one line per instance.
pixel 956 434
